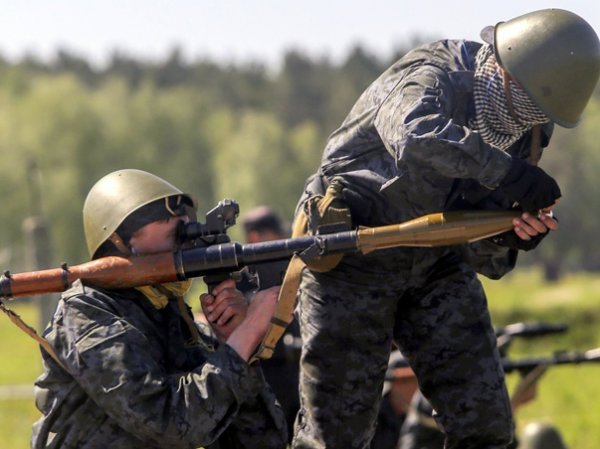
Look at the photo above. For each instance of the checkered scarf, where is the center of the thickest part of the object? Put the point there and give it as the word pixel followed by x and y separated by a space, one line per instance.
pixel 492 116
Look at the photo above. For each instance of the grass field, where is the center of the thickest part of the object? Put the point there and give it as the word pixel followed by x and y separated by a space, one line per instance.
pixel 569 396
pixel 20 365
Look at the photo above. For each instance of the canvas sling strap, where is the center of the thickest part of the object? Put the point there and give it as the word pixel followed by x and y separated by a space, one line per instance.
pixel 18 321
pixel 318 210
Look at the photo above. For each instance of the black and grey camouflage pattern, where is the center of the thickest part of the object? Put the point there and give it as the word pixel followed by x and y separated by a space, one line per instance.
pixel 135 381
pixel 405 150
pixel 433 306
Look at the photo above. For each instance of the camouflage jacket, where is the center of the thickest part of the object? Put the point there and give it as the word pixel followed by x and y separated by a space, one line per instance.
pixel 406 148
pixel 135 380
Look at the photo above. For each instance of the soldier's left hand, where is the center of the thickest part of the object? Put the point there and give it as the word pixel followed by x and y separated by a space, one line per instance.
pixel 528 226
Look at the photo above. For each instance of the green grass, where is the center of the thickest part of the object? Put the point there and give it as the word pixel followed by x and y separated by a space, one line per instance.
pixel 568 396
pixel 19 353
pixel 20 363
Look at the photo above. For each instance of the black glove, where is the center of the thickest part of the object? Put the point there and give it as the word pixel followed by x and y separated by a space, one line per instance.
pixel 511 240
pixel 530 186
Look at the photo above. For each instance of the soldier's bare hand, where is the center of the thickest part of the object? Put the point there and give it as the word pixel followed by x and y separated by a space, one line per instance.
pixel 224 309
pixel 262 307
pixel 527 225
pixel 250 332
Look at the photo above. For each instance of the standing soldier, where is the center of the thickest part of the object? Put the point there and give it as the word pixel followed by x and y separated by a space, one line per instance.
pixel 454 124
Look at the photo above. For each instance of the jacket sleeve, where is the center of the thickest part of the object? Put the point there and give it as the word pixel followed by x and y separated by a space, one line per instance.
pixel 111 360
pixel 491 260
pixel 416 126
pixel 249 430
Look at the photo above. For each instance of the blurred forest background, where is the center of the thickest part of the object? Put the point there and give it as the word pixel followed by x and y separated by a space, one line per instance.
pixel 218 131
pixel 251 133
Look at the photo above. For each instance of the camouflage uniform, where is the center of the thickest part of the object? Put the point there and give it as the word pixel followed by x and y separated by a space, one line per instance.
pixel 134 380
pixel 406 150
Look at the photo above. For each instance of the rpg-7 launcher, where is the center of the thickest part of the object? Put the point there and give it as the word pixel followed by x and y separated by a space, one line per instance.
pixel 215 256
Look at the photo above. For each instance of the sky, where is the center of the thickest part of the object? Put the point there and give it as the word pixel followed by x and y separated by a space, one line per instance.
pixel 235 31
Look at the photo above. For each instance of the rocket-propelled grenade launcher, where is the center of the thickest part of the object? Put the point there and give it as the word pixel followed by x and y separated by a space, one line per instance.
pixel 214 255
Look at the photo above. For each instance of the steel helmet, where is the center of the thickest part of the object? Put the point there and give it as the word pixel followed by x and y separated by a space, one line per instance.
pixel 115 197
pixel 538 435
pixel 555 56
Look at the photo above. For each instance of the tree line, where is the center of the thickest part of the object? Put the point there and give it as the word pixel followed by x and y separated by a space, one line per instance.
pixel 216 130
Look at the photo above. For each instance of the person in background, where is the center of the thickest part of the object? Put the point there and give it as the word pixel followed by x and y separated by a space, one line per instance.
pixel 541 435
pixel 452 125
pixel 281 371
pixel 131 368
pixel 399 387
pixel 262 224
pixel 420 430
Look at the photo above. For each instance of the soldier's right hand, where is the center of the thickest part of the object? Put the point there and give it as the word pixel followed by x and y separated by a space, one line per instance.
pixel 224 309
pixel 246 337
pixel 530 186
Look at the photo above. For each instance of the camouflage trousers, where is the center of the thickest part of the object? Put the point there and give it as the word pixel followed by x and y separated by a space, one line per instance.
pixel 434 307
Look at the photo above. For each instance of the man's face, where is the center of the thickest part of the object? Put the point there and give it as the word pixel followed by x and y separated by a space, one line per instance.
pixel 262 236
pixel 158 236
pixel 401 394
